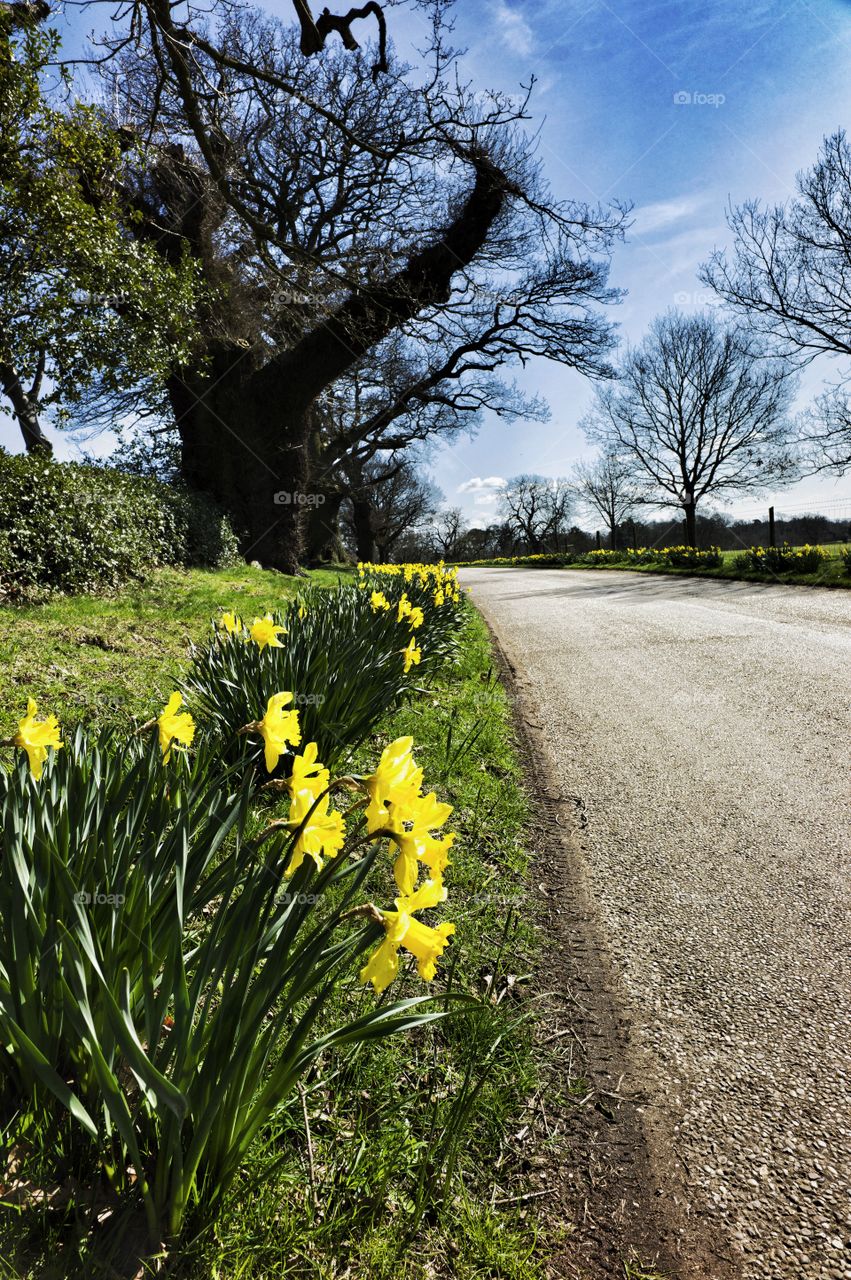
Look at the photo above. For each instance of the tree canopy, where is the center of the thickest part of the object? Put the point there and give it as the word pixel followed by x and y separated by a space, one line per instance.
pixel 343 221
pixel 82 302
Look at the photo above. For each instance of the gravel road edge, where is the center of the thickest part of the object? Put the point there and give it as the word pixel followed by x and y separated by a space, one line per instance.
pixel 622 1193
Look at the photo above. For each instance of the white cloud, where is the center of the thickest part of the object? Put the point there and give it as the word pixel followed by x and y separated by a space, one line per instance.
pixel 514 29
pixel 482 482
pixel 485 501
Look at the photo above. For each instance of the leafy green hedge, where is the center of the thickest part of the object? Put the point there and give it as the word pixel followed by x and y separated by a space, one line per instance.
pixel 70 527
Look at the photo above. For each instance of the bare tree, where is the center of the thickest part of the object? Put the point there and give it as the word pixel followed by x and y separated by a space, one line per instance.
pixel 388 405
pixel 699 410
pixel 609 486
pixel 537 510
pixel 788 276
pixel 448 529
pixel 394 500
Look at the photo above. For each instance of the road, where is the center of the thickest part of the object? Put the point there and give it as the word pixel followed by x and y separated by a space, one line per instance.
pixel 706 726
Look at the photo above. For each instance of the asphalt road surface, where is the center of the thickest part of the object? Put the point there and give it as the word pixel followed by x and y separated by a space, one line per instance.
pixel 707 727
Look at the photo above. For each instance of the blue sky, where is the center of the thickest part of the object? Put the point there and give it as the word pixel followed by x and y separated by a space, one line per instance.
pixel 765 81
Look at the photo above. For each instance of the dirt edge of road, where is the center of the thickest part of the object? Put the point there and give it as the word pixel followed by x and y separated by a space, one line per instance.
pixel 621 1193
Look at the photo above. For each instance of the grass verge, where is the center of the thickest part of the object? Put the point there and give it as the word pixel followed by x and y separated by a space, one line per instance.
pixel 393 1161
pixel 101 659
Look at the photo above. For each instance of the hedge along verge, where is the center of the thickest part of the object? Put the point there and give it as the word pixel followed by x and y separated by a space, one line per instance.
pixel 72 527
pixel 805 566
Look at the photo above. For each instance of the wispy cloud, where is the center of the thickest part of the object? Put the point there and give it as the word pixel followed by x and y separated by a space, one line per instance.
pixel 513 28
pixel 663 214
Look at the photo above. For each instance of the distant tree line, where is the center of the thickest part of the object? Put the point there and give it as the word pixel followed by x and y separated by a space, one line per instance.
pixel 504 538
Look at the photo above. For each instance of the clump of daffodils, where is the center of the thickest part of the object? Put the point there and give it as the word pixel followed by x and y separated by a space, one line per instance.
pixel 397 811
pixel 438 584
pixel 441 582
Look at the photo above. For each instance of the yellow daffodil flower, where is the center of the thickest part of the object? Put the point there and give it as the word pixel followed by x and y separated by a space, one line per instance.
pixel 308 774
pixel 421 940
pixel 378 600
pixel 411 654
pixel 415 617
pixel 396 781
pixel 264 631
pixel 232 623
pixel 404 607
pixel 278 728
pixel 175 726
pixel 412 826
pixel 35 736
pixel 323 833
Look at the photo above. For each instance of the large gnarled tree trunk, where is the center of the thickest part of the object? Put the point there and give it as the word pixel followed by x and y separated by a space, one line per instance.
pixel 246 431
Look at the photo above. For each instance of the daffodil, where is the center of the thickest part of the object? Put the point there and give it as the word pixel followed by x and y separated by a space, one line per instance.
pixel 175 726
pixel 278 728
pixel 265 631
pixel 323 832
pixel 404 607
pixel 232 623
pixel 415 617
pixel 308 774
pixel 402 929
pixel 439 597
pixel 35 736
pixel 396 781
pixel 412 826
pixel 378 600
pixel 411 655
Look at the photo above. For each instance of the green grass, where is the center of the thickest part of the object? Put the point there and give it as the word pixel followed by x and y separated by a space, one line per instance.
pixel 381 1122
pixel 103 659
pixel 404 1134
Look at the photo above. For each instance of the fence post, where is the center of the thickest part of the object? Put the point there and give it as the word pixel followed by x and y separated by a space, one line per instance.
pixel 634 537
pixel 772 540
pixel 598 539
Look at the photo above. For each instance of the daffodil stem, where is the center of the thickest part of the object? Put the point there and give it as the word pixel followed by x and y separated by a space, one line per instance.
pixel 368 911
